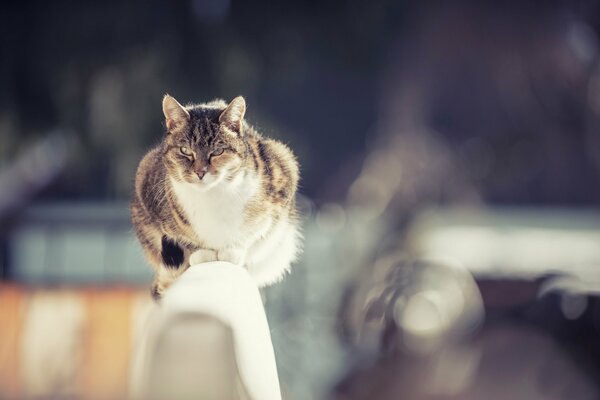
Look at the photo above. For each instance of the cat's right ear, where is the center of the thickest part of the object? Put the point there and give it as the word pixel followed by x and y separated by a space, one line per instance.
pixel 176 116
pixel 233 114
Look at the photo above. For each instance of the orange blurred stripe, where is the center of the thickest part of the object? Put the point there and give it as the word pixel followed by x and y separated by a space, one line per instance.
pixel 107 344
pixel 12 299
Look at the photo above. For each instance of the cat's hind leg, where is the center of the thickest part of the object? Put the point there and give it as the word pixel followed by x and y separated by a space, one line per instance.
pixel 164 277
pixel 172 262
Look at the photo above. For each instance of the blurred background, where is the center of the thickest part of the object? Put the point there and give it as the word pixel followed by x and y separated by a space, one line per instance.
pixel 450 158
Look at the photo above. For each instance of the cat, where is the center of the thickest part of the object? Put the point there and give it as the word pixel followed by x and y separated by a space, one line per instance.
pixel 216 189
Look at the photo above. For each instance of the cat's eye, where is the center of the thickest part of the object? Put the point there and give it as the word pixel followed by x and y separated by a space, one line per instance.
pixel 217 152
pixel 185 151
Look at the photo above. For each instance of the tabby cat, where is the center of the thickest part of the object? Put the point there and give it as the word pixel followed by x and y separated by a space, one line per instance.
pixel 215 189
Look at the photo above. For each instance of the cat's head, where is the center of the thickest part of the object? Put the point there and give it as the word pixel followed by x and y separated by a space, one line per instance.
pixel 204 144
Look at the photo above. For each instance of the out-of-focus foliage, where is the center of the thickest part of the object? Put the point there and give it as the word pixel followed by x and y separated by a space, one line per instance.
pixel 463 101
pixel 308 70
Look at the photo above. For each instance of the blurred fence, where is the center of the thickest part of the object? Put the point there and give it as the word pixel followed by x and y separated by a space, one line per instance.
pixel 68 243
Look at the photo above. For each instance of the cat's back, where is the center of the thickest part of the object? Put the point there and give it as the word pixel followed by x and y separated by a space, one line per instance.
pixel 282 153
pixel 278 167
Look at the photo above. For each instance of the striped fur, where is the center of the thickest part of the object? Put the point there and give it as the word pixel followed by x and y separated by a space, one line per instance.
pixel 215 189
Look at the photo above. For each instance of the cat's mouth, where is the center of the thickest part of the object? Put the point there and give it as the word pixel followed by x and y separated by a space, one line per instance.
pixel 207 179
pixel 207 182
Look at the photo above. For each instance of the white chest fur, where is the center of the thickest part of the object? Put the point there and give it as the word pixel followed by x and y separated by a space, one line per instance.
pixel 217 215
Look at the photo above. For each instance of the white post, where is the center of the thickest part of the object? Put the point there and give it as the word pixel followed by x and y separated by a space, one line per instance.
pixel 209 338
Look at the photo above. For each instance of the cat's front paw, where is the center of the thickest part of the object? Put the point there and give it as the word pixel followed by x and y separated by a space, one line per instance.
pixel 202 256
pixel 234 256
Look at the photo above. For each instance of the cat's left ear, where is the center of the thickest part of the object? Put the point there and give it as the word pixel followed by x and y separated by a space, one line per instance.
pixel 233 115
pixel 176 116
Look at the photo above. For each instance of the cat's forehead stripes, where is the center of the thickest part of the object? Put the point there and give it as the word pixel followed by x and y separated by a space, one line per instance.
pixel 204 126
pixel 203 132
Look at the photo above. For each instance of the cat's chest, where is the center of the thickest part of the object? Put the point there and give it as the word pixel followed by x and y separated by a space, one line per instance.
pixel 216 216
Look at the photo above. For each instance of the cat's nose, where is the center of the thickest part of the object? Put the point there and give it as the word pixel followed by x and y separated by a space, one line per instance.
pixel 201 172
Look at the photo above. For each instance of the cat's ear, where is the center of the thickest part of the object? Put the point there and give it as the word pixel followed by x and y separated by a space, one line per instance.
pixel 233 114
pixel 176 116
